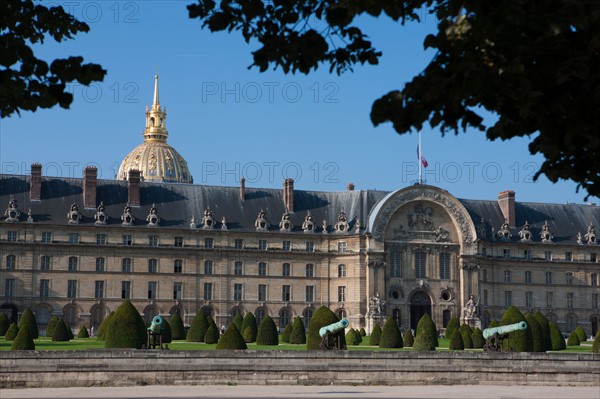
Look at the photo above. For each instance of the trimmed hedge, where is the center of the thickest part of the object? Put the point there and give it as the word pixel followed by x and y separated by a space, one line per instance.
pixel 518 341
pixel 232 339
pixel 322 317
pixel 456 342
pixel 298 334
pixel 104 326
pixel 466 332
pixel 362 332
pixel 287 331
pixel 177 327
pixel 29 322
pixel 51 326
pixel 573 339
pixel 477 338
pixel 558 342
pixel 375 335
pixel 426 339
pixel 212 334
pixel 408 338
pixel 391 337
pixel 452 326
pixel 351 338
pixel 167 332
pixel 267 332
pixel 493 323
pixel 4 324
pixel 62 332
pixel 596 345
pixel 198 328
pixel 581 334
pixel 12 332
pixel 249 328
pixel 535 332
pixel 545 327
pixel 238 320
pixel 23 341
pixel 83 333
pixel 126 328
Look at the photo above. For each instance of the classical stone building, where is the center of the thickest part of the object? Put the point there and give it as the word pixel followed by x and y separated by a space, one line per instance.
pixel 78 247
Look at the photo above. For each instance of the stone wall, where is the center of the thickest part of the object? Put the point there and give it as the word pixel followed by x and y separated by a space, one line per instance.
pixel 151 367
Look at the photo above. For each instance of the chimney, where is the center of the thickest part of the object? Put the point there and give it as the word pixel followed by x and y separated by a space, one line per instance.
pixel 288 194
pixel 134 187
pixel 242 189
pixel 506 200
pixel 35 183
pixel 350 186
pixel 89 186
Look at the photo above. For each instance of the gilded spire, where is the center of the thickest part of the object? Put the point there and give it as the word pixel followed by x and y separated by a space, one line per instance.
pixel 155 101
pixel 156 118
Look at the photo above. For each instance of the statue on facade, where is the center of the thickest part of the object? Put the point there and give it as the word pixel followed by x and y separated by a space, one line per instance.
pixel 470 308
pixel 376 305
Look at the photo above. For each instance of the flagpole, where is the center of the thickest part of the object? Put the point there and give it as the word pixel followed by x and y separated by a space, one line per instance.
pixel 420 160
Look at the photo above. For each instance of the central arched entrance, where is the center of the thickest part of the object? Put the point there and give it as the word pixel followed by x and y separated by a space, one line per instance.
pixel 420 303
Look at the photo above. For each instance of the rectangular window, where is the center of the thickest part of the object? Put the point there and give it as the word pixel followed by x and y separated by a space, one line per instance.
pixel 549 299
pixel 100 264
pixel 45 262
pixel 208 287
pixel 548 277
pixel 568 256
pixel 238 268
pixel 46 237
pixel 239 243
pixel 73 238
pixel 153 241
pixel 310 246
pixel 310 293
pixel 569 278
pixel 595 301
pixel 484 277
pixel 209 243
pixel 126 265
pixel 72 289
pixel 9 287
pixel 178 266
pixel 529 299
pixel 527 277
pixel 507 276
pixel 262 269
pixel 342 247
pixel 208 267
pixel 127 240
pixel 506 253
pixel 570 297
pixel 341 271
pixel 507 298
pixel 11 262
pixel 548 255
pixel 237 292
pixel 527 254
pixel 593 257
pixel 342 293
pixel 420 262
pixel 285 270
pixel 178 242
pixel 44 288
pixel 262 245
pixel 594 279
pixel 125 289
pixel 177 289
pixel 310 270
pixel 152 265
pixel 445 266
pixel 286 293
pixel 101 239
pixel 152 289
pixel 286 246
pixel 72 263
pixel 11 236
pixel 262 292
pixel 485 297
pixel 99 290
pixel 395 264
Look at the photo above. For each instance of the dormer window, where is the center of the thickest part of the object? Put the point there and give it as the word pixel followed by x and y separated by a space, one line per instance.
pixel 261 223
pixel 308 226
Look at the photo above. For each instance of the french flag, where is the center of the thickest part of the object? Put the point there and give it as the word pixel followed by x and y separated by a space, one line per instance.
pixel 421 158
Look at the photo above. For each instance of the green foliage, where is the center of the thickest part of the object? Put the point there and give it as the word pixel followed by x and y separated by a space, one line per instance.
pixel 596 345
pixel 581 334
pixel 212 334
pixel 408 338
pixel 4 324
pixel 177 327
pixel 238 320
pixel 83 332
pixel 198 328
pixel 267 332
pixel 232 339
pixel 298 334
pixel 453 325
pixel 375 335
pixel 573 339
pixel 466 332
pixel 322 317
pixel 287 331
pixel 249 324
pixel 29 322
pixel 391 337
pixel 358 336
pixel 166 331
pixel 126 329
pixel 12 332
pixel 362 332
pixel 556 338
pixel 426 339
pixel 456 342
pixel 351 338
pixel 535 333
pixel 518 341
pixel 494 323
pixel 104 326
pixel 477 338
pixel 545 327
pixel 23 341
pixel 51 325
pixel 62 332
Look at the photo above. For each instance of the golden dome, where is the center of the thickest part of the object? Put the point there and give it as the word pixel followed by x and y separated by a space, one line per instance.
pixel 154 158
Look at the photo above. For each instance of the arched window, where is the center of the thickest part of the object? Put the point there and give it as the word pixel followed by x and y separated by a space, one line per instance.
pixel 259 315
pixel 420 263
pixel 307 314
pixel 70 315
pixel 42 315
pixel 310 270
pixel 444 266
pixel 446 315
pixel 341 270
pixel 341 313
pixel 284 318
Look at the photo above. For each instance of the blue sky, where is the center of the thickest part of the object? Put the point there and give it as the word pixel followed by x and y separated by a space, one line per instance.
pixel 228 121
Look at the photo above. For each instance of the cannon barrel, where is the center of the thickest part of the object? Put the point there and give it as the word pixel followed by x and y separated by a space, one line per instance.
pixel 503 330
pixel 156 325
pixel 334 327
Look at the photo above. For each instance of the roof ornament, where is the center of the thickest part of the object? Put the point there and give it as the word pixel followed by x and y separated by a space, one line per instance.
pixel 261 223
pixel 308 226
pixel 12 213
pixel 193 222
pixel 324 226
pixel 504 232
pixel 73 216
pixel 223 223
pixel 546 235
pixel 591 237
pixel 357 226
pixel 29 216
pixel 286 224
pixel 342 223
pixel 208 222
pixel 580 238
pixel 100 216
pixel 127 218
pixel 525 233
pixel 152 217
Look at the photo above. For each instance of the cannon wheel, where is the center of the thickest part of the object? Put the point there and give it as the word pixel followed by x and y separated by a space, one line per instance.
pixel 493 344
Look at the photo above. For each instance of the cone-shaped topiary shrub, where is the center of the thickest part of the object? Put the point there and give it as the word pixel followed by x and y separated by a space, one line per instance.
pixel 238 320
pixel 126 329
pixel 322 317
pixel 375 335
pixel 298 334
pixel 493 323
pixel 104 326
pixel 232 339
pixel 466 331
pixel 12 332
pixel 198 328
pixel 456 342
pixel 287 331
pixel 249 324
pixel 83 333
pixel 426 338
pixel 51 326
pixel 391 337
pixel 4 324
pixel 453 324
pixel 177 327
pixel 351 338
pixel 535 332
pixel 545 327
pixel 596 345
pixel 23 341
pixel 573 339
pixel 581 334
pixel 61 332
pixel 29 322
pixel 477 338
pixel 358 336
pixel 517 341
pixel 167 332
pixel 212 334
pixel 362 332
pixel 407 339
pixel 558 342
pixel 267 332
